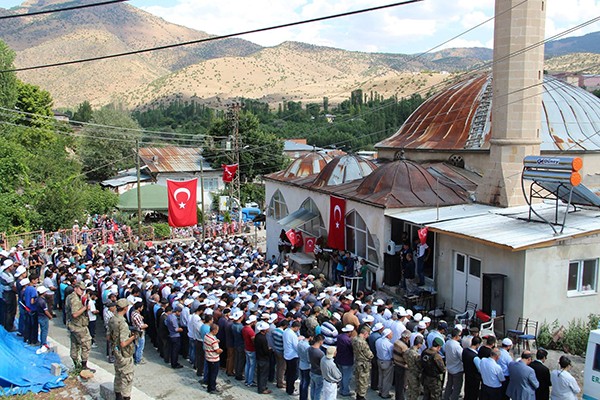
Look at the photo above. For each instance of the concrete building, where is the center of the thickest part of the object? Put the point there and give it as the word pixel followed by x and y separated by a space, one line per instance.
pixel 457 170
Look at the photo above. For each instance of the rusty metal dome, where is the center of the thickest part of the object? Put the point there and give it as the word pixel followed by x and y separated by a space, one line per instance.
pixel 308 164
pixel 460 116
pixel 405 183
pixel 343 169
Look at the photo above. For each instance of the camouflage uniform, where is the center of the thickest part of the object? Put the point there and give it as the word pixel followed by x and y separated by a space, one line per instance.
pixel 413 374
pixel 81 340
pixel 362 365
pixel 433 373
pixel 118 330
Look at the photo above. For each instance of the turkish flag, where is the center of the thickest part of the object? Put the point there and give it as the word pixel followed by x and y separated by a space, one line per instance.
pixel 182 202
pixel 423 235
pixel 309 245
pixel 229 172
pixel 291 235
pixel 299 239
pixel 337 230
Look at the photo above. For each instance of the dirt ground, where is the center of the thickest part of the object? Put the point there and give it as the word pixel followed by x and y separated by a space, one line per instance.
pixel 73 389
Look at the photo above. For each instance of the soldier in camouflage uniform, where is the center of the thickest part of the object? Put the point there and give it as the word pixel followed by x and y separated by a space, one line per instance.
pixel 362 362
pixel 77 324
pixel 413 371
pixel 123 348
pixel 433 371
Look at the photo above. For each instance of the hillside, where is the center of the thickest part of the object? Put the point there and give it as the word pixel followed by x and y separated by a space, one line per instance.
pixel 217 71
pixel 290 71
pixel 99 31
pixel 585 63
pixel 589 43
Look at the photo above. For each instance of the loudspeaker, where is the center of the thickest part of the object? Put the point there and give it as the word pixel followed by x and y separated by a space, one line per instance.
pixel 493 293
pixel 392 269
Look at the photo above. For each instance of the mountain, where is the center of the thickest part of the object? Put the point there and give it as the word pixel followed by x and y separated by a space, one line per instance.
pixel 98 31
pixel 589 43
pixel 215 71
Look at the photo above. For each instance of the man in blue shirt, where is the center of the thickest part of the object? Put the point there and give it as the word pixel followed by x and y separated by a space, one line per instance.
pixel 385 353
pixel 174 334
pixel 30 294
pixel 491 377
pixel 290 354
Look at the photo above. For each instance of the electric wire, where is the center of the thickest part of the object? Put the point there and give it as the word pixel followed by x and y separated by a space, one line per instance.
pixel 78 7
pixel 213 38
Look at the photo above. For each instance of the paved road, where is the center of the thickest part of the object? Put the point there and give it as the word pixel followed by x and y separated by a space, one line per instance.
pixel 159 381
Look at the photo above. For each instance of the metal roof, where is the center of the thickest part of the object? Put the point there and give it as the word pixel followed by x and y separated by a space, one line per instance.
pixel 459 118
pixel 125 177
pixel 344 169
pixel 154 197
pixel 509 228
pixel 308 164
pixel 173 159
pixel 439 214
pixel 404 183
pixel 297 218
pixel 290 145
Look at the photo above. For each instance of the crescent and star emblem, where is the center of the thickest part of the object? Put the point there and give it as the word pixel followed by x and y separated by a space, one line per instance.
pixel 182 190
pixel 336 210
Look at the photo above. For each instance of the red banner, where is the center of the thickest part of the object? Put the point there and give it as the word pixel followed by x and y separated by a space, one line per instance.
pixel 299 239
pixel 229 172
pixel 182 202
pixel 337 229
pixel 309 245
pixel 291 235
pixel 423 235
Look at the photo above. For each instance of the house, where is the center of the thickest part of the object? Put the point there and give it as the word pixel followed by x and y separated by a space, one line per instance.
pixel 182 163
pixel 126 180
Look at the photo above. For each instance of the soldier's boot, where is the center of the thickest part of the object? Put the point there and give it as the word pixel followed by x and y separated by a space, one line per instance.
pixel 118 396
pixel 126 398
pixel 358 397
pixel 76 364
pixel 85 366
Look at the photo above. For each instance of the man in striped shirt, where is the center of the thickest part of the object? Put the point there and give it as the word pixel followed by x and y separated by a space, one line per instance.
pixel 212 356
pixel 278 350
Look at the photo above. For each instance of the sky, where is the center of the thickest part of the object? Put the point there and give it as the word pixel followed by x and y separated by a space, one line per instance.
pixel 408 29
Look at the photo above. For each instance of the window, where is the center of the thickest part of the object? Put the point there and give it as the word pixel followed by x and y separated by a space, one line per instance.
pixel 315 226
pixel 211 184
pixel 277 207
pixel 359 240
pixel 583 277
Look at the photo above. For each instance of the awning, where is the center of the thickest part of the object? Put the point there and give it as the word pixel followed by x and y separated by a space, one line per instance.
pixel 297 218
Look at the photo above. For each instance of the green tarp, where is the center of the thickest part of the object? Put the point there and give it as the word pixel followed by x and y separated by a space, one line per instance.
pixel 154 197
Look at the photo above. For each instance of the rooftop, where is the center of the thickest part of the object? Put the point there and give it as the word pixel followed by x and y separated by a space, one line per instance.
pixel 173 159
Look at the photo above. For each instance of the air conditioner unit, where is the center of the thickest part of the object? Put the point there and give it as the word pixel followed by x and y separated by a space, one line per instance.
pixel 393 248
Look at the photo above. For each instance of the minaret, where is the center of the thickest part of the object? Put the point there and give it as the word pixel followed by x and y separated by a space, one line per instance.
pixel 517 99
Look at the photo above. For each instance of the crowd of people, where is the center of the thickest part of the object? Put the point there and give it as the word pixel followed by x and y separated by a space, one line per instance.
pixel 220 305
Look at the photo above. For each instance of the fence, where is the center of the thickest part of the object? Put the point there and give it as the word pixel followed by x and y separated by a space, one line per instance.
pixel 68 237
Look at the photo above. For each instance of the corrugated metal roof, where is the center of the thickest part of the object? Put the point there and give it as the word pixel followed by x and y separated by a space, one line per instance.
pixel 173 159
pixel 431 215
pixel 290 145
pixel 509 228
pixel 459 118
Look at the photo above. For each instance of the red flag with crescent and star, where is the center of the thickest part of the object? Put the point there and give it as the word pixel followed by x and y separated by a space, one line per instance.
pixel 309 245
pixel 229 172
pixel 182 202
pixel 291 235
pixel 337 228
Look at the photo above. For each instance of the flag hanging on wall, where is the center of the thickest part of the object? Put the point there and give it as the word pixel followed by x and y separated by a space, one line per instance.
pixel 337 229
pixel 229 172
pixel 309 245
pixel 182 202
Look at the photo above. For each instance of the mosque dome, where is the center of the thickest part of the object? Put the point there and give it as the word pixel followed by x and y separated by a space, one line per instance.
pixel 343 169
pixel 460 117
pixel 308 164
pixel 405 183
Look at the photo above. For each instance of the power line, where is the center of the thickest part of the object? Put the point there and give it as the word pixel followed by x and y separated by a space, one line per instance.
pixel 30 14
pixel 212 38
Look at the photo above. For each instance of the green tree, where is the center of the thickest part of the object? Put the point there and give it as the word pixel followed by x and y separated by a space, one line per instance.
pixel 84 112
pixel 8 80
pixel 261 152
pixel 99 200
pixel 105 151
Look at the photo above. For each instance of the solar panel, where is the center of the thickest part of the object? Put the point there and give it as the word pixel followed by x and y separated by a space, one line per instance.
pixel 581 194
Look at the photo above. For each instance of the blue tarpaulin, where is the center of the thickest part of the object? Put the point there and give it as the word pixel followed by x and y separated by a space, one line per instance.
pixel 22 371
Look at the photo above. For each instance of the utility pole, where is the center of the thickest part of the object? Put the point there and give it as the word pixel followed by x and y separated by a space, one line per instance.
pixel 233 114
pixel 139 191
pixel 202 192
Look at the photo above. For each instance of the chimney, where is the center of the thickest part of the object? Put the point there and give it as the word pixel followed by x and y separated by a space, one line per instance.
pixel 517 99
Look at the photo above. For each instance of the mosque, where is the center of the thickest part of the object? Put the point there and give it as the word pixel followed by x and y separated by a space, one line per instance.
pixel 510 246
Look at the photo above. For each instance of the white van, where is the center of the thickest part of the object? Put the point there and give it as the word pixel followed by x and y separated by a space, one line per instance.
pixel 591 375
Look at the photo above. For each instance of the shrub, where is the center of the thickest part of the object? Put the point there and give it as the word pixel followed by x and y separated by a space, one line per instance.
pixel 161 231
pixel 572 339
